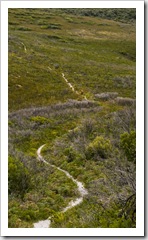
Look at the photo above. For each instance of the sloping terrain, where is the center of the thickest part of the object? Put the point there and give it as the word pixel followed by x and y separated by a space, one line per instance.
pixel 72 87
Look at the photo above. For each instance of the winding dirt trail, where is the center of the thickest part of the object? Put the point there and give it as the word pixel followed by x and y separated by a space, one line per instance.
pixel 82 191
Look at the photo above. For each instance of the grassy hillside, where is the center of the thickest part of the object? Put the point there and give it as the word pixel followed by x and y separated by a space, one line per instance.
pixel 88 131
pixel 95 55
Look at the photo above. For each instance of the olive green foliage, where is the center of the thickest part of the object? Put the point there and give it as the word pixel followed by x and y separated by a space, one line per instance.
pixel 51 190
pixel 18 178
pixel 128 144
pixel 81 219
pixel 91 52
pixel 95 50
pixel 70 153
pixel 40 197
pixel 120 14
pixel 40 120
pixel 99 146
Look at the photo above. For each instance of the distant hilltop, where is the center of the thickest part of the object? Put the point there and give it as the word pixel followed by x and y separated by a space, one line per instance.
pixel 120 14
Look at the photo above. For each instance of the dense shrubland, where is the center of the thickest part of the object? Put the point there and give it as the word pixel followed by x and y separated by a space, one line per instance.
pixel 95 152
pixel 118 14
pixel 103 167
pixel 95 139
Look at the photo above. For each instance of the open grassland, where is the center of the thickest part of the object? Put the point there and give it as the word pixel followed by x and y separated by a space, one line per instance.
pixel 95 57
pixel 86 131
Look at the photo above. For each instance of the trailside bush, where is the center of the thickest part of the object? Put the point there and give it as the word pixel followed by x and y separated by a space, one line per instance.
pixel 18 177
pixel 70 153
pixel 99 146
pixel 128 144
pixel 40 120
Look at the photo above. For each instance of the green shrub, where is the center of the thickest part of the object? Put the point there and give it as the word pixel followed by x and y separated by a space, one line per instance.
pixel 18 177
pixel 40 120
pixel 128 144
pixel 70 153
pixel 99 146
pixel 14 222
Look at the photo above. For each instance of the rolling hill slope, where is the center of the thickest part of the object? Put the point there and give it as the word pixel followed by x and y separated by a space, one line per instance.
pixel 72 86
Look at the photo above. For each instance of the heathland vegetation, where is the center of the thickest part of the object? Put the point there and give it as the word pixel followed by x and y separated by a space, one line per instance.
pixel 72 87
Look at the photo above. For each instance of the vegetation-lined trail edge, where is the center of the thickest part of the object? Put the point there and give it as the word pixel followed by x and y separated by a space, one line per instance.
pixel 78 99
pixel 82 191
pixel 71 87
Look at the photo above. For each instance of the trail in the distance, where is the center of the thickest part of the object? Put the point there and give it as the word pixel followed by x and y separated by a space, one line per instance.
pixel 71 87
pixel 25 49
pixel 82 191
pixel 69 84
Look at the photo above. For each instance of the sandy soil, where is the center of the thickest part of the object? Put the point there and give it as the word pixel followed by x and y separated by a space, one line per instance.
pixel 82 191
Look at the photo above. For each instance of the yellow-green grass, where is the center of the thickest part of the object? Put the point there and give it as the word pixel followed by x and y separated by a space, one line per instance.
pixel 96 56
pixel 90 56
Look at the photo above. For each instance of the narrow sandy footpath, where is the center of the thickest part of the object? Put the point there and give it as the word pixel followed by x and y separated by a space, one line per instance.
pixel 71 87
pixel 25 49
pixel 69 84
pixel 82 191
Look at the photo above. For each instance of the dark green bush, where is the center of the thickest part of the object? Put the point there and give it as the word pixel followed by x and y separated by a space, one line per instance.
pixel 128 144
pixel 70 153
pixel 120 14
pixel 18 177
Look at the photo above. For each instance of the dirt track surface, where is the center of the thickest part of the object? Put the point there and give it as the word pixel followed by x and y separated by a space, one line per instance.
pixel 82 191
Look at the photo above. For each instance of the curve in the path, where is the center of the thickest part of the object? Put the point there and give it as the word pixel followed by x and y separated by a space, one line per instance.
pixel 82 191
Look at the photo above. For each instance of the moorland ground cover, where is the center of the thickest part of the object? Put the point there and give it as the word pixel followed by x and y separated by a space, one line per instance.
pixel 89 132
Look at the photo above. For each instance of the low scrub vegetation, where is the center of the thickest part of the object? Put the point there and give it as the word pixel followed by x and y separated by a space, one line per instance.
pixel 106 96
pixel 125 101
pixel 89 132
pixel 124 15
pixel 99 147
